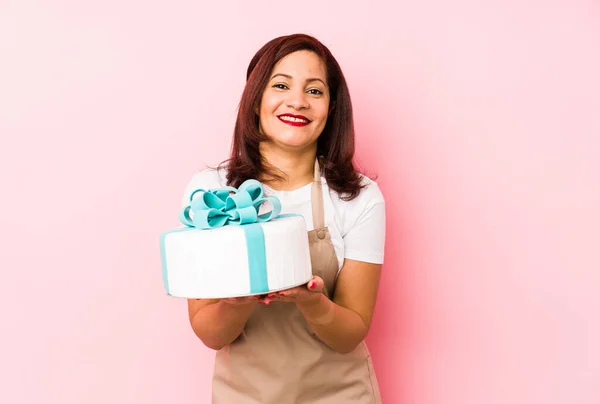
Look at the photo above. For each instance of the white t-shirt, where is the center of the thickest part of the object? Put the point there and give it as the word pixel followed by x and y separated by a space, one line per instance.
pixel 357 227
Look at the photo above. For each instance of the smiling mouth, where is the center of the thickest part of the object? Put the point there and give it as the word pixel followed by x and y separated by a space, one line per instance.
pixel 293 120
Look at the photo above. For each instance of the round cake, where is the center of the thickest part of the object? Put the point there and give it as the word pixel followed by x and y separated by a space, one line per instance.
pixel 236 260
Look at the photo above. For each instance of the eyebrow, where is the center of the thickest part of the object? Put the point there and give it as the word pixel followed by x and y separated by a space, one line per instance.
pixel 291 78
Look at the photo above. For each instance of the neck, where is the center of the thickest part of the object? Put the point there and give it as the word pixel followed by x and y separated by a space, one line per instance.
pixel 296 167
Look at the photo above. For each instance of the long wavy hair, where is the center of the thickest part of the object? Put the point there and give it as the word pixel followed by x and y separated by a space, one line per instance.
pixel 335 145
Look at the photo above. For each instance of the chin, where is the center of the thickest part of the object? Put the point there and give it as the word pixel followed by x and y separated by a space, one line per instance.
pixel 293 141
pixel 300 144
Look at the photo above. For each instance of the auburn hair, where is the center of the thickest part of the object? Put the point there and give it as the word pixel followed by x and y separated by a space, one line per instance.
pixel 335 145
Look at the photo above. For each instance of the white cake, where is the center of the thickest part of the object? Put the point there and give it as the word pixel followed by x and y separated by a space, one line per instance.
pixel 214 263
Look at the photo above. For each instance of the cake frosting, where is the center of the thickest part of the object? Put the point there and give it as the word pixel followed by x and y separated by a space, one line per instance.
pixel 229 250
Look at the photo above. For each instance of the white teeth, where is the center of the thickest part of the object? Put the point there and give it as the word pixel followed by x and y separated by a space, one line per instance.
pixel 290 119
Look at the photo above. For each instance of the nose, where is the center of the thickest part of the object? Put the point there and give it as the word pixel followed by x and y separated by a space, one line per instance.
pixel 297 100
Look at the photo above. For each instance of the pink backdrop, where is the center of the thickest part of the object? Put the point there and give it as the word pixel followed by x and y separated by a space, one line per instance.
pixel 481 119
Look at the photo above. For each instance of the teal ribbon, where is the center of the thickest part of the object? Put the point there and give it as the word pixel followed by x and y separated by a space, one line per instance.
pixel 211 209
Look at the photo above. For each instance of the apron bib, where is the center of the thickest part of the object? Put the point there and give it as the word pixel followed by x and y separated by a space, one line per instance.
pixel 277 359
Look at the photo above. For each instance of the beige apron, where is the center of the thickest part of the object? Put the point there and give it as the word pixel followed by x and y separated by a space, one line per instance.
pixel 277 359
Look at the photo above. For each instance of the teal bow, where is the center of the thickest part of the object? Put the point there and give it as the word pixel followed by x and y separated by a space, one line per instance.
pixel 228 206
pixel 239 207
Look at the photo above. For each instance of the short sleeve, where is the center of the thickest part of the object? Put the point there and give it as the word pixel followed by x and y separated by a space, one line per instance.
pixel 364 238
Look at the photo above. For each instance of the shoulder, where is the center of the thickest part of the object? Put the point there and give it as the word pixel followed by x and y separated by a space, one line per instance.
pixel 368 203
pixel 369 196
pixel 209 178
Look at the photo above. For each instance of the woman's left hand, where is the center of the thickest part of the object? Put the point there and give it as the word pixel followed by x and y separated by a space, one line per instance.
pixel 307 293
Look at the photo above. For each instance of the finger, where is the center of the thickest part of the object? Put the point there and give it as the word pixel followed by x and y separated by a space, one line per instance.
pixel 240 300
pixel 231 300
pixel 281 296
pixel 285 295
pixel 316 284
pixel 285 298
pixel 266 301
pixel 288 292
pixel 290 295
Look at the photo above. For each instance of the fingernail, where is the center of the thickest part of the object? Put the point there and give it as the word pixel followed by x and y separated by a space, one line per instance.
pixel 311 285
pixel 268 302
pixel 271 296
pixel 281 294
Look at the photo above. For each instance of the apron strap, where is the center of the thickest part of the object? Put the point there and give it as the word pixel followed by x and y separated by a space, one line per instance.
pixel 318 211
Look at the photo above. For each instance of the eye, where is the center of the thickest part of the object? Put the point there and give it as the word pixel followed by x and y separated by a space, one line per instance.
pixel 280 86
pixel 314 91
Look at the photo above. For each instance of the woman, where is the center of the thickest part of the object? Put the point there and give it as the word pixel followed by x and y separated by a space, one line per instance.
pixel 306 344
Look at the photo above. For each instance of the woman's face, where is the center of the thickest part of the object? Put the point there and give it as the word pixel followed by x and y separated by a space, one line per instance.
pixel 295 103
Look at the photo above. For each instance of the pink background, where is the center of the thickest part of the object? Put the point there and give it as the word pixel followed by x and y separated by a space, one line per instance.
pixel 480 117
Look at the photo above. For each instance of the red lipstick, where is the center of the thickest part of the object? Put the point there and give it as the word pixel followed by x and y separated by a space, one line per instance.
pixel 299 120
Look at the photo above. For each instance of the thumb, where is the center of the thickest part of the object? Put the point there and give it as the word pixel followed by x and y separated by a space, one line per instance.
pixel 316 284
